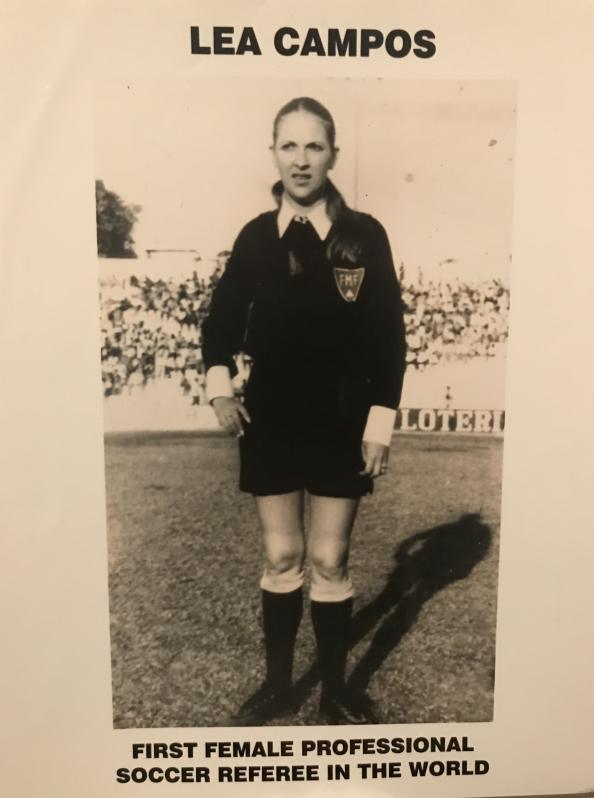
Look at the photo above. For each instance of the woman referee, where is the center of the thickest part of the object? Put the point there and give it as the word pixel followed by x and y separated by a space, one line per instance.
pixel 310 294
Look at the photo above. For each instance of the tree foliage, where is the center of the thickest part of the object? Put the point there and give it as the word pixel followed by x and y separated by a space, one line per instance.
pixel 115 222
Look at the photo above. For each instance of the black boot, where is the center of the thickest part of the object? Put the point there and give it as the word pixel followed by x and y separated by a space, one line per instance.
pixel 281 615
pixel 332 627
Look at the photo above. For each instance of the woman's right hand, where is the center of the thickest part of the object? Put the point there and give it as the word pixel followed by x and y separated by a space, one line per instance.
pixel 231 414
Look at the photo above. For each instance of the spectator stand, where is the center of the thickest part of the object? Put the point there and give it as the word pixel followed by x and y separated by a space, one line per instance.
pixel 153 375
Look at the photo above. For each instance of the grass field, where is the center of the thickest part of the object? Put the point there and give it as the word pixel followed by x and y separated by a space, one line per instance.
pixel 184 561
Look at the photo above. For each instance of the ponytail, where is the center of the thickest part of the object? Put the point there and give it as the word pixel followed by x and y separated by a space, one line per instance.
pixel 344 246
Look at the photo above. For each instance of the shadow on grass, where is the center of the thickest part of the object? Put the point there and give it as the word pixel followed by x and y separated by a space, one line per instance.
pixel 426 562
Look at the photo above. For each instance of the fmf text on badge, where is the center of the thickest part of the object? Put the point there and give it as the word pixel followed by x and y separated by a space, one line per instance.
pixel 348 282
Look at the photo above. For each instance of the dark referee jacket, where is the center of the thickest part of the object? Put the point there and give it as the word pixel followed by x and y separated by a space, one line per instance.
pixel 283 303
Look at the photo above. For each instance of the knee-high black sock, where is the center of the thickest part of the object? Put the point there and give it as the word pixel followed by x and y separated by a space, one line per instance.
pixel 281 615
pixel 332 627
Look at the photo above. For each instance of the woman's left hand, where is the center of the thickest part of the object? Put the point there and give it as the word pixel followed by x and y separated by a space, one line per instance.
pixel 375 457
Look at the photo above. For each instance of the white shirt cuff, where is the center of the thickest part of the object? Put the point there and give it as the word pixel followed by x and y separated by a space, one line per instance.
pixel 218 382
pixel 380 425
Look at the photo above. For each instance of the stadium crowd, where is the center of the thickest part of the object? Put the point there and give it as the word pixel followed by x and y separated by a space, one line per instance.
pixel 151 329
pixel 454 320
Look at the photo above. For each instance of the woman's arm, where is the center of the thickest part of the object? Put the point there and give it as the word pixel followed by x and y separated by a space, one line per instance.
pixel 223 330
pixel 387 355
pixel 223 333
pixel 387 335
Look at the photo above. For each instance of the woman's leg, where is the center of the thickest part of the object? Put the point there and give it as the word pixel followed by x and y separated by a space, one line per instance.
pixel 332 603
pixel 328 545
pixel 281 519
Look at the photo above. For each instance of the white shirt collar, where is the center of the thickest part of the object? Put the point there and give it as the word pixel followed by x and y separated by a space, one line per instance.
pixel 316 214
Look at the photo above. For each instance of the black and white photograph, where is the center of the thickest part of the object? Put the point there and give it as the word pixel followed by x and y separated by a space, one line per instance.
pixel 304 296
pixel 297 453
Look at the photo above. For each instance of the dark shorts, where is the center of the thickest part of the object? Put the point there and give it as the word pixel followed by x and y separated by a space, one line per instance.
pixel 305 434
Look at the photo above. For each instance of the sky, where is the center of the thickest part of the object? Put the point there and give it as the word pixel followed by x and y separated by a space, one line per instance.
pixel 432 160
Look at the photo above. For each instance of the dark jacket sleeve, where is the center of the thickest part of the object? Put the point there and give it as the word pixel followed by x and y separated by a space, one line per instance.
pixel 223 331
pixel 387 342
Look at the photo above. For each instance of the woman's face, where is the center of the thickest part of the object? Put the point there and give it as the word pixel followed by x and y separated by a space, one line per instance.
pixel 303 156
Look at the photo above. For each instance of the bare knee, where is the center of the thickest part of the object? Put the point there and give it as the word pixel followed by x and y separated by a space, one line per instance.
pixel 331 524
pixel 330 579
pixel 329 567
pixel 281 518
pixel 279 564
pixel 283 569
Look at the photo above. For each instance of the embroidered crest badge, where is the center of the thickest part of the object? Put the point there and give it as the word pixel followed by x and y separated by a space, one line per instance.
pixel 348 282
